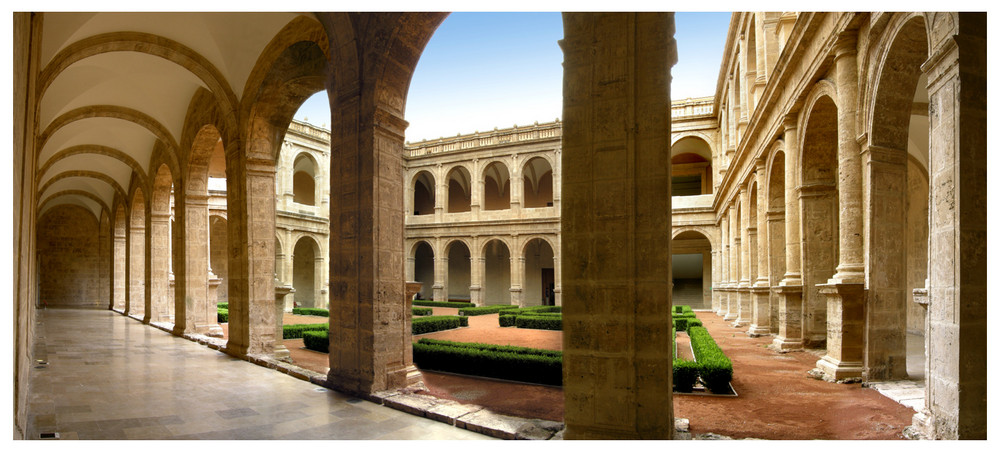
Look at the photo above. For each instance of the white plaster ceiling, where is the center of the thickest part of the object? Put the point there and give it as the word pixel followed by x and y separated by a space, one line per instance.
pixel 918 142
pixel 153 86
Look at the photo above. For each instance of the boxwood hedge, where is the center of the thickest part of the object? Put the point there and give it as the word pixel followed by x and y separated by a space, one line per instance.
pixel 482 310
pixel 222 305
pixel 421 310
pixel 295 331
pixel 317 340
pixel 497 361
pixel 441 303
pixel 714 367
pixel 539 321
pixel 223 315
pixel 433 323
pixel 311 311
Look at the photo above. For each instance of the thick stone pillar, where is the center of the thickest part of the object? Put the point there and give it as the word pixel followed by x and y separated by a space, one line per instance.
pixel 790 289
pixel 617 362
pixel 733 306
pixel 745 243
pixel 845 290
pixel 118 273
pixel 476 201
pixel 517 189
pixel 440 194
pixel 440 289
pixel 723 266
pixel 136 303
pixel 957 323
pixel 250 204
pixel 369 337
pixel 194 312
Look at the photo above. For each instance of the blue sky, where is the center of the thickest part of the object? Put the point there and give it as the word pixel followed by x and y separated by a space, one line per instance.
pixel 486 70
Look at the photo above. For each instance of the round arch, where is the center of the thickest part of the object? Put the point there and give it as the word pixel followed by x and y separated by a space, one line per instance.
pixel 538 182
pixel 307 276
pixel 423 191
pixel 496 185
pixel 458 195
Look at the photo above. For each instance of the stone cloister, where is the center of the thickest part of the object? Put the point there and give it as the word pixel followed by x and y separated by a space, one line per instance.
pixel 834 189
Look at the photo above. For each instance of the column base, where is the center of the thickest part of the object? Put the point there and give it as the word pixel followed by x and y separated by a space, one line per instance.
pixel 783 345
pixel 281 353
pixel 758 331
pixel 840 371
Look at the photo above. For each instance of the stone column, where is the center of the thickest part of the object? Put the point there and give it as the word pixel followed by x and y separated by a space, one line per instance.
pixel 557 276
pixel 136 303
pixel 722 289
pixel 476 197
pixel 440 288
pixel 760 321
pixel 119 275
pixel 745 243
pixel 845 290
pixel 616 104
pixel 733 306
pixel 517 279
pixel 769 28
pixel 957 323
pixel 517 189
pixel 476 275
pixel 280 292
pixel 790 288
pixel 440 194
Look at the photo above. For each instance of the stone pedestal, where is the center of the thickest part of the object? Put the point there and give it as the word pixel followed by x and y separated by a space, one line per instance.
pixel 280 292
pixel 761 314
pixel 745 306
pixel 732 304
pixel 789 318
pixel 845 331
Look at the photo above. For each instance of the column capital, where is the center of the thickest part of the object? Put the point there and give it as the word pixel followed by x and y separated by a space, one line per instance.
pixel 790 121
pixel 847 44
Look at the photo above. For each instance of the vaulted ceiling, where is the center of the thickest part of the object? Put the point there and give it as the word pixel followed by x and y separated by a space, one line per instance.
pixel 115 87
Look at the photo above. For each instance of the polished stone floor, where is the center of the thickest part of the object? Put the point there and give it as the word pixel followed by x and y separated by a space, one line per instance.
pixel 109 377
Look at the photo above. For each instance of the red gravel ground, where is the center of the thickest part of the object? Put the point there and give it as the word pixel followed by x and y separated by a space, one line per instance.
pixel 776 398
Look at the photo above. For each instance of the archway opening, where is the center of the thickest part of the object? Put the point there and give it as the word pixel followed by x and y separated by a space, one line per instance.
pixel 137 256
pixel 537 175
pixel 496 187
pixel 821 224
pixel 161 255
pixel 691 271
pixel 423 270
pixel 304 176
pixel 690 167
pixel 459 190
pixel 219 256
pixel 459 272
pixel 120 258
pixel 496 282
pixel 423 194
pixel 304 273
pixel 539 273
pixel 776 231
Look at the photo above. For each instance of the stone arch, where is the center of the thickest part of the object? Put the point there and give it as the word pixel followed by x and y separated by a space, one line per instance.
pixel 496 185
pixel 819 205
pixel 423 193
pixel 160 247
pixel 306 275
pixel 691 165
pixel 92 149
pixel 66 195
pixel 537 178
pixel 899 139
pixel 458 189
pixel 540 280
pixel 497 264
pixel 775 195
pixel 691 269
pixel 458 278
pixel 136 304
pixel 422 253
pixel 305 179
pixel 139 118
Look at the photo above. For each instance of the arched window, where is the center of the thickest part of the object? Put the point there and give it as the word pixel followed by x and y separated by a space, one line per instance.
pixel 496 187
pixel 459 190
pixel 304 180
pixel 537 183
pixel 423 194
pixel 690 167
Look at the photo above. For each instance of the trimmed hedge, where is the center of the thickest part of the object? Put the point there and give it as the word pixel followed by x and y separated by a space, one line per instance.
pixel 685 375
pixel 317 340
pixel 483 310
pixel 508 317
pixel 433 323
pixel 311 311
pixel 421 310
pixel 223 305
pixel 540 321
pixel 223 315
pixel 295 331
pixel 714 367
pixel 441 303
pixel 497 361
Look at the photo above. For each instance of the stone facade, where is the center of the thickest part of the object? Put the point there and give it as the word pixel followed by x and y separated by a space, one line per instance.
pixel 833 190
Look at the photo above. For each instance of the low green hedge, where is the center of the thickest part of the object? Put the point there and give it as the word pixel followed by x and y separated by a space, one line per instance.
pixel 483 310
pixel 433 323
pixel 683 323
pixel 295 331
pixel 508 317
pixel 714 367
pixel 685 375
pixel 540 321
pixel 317 340
pixel 497 361
pixel 311 311
pixel 441 303
pixel 223 315
pixel 421 310
pixel 222 305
